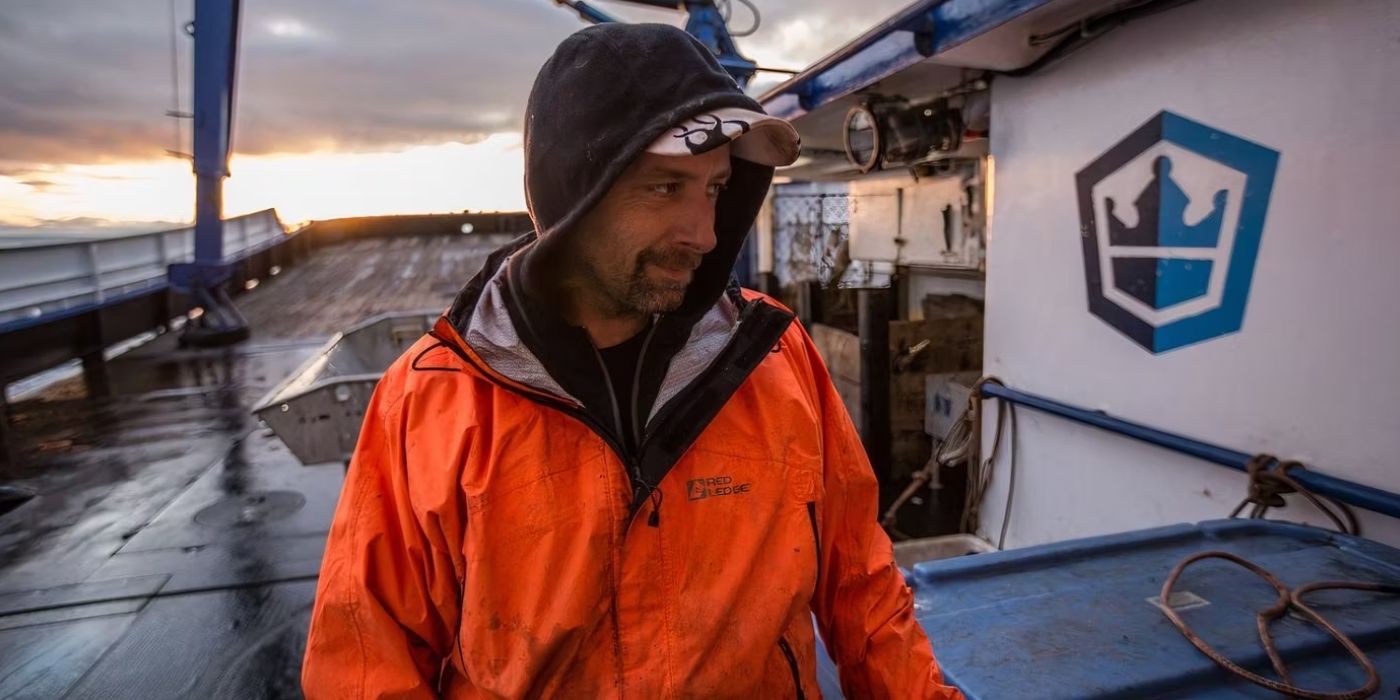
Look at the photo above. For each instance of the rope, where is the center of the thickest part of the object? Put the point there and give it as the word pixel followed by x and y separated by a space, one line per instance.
pixel 1269 482
pixel 979 476
pixel 1288 600
pixel 957 446
pixel 952 449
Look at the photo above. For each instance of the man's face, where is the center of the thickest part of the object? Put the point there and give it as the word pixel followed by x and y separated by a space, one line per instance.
pixel 639 248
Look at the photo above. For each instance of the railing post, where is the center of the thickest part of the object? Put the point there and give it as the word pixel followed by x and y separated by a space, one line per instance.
pixel 95 273
pixel 873 323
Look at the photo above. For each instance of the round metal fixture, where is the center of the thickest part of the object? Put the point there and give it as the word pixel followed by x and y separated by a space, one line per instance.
pixel 861 136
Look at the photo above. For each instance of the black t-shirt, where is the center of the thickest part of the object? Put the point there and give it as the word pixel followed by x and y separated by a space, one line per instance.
pixel 621 361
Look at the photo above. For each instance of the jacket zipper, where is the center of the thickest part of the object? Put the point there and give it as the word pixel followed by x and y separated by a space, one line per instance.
pixel 792 664
pixel 633 468
pixel 816 536
pixel 630 458
pixel 639 426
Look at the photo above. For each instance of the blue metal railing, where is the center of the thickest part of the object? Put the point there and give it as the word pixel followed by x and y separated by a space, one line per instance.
pixel 1350 492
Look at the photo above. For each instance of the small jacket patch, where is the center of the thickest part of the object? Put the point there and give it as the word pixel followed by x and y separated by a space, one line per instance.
pixel 697 489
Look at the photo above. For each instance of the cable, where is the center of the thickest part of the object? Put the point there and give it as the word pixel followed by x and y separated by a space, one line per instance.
pixel 1072 37
pixel 175 81
pixel 1010 477
pixel 1082 25
pixel 1288 601
pixel 757 19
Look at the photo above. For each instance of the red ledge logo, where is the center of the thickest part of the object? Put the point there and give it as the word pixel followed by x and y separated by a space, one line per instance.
pixel 697 489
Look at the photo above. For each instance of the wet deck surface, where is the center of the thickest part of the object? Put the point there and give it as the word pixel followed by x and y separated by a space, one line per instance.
pixel 172 546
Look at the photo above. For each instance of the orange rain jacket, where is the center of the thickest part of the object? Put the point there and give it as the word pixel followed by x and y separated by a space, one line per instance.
pixel 495 540
pixel 484 542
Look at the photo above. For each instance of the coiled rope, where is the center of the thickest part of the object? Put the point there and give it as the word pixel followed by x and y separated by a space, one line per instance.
pixel 1288 600
pixel 1269 482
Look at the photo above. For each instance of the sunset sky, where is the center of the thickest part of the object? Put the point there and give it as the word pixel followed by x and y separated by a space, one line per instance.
pixel 344 107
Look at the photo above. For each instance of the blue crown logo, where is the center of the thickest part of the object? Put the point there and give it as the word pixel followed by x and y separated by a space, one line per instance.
pixel 1161 212
pixel 1165 282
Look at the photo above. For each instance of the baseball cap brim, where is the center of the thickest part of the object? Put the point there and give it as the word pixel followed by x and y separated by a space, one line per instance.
pixel 754 136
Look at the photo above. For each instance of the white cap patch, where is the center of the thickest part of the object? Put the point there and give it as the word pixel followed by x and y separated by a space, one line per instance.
pixel 755 136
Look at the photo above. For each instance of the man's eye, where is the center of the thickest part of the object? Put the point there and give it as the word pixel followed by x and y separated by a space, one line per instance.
pixel 717 188
pixel 666 188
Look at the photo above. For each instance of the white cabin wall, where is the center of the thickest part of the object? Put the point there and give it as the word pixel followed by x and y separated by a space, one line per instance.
pixel 1313 374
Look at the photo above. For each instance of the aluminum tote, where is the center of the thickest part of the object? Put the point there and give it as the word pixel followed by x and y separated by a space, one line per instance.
pixel 1078 619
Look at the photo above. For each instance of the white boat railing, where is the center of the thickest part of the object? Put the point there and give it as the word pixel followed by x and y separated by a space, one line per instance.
pixel 45 279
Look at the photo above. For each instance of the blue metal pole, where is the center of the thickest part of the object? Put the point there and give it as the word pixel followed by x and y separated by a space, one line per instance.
pixel 215 47
pixel 215 60
pixel 706 24
pixel 1359 495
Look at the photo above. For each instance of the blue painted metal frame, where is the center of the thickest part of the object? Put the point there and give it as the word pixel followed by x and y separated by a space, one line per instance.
pixel 215 61
pixel 707 24
pixel 1359 495
pixel 704 23
pixel 921 30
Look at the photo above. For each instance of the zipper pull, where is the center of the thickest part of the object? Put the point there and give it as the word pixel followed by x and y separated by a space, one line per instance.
pixel 654 520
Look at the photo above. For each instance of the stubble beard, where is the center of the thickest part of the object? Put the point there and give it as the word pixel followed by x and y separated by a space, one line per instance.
pixel 639 294
pixel 651 296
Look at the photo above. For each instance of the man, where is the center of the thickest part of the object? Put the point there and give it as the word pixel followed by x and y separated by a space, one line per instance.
pixel 609 471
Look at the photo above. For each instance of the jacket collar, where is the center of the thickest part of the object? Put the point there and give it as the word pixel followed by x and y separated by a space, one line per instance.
pixel 532 345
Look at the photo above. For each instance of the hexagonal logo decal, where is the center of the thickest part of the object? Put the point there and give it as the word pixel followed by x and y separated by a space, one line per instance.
pixel 1171 218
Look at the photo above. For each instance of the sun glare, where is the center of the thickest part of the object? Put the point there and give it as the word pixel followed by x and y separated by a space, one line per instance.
pixel 486 175
pixel 287 28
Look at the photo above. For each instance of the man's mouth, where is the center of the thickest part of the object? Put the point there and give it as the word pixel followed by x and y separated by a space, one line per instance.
pixel 674 266
pixel 678 273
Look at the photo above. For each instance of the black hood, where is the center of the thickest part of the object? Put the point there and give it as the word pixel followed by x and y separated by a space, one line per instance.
pixel 603 97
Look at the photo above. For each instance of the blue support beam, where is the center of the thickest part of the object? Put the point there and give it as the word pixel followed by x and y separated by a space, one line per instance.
pixel 215 56
pixel 215 68
pixel 921 30
pixel 706 24
pixel 1359 495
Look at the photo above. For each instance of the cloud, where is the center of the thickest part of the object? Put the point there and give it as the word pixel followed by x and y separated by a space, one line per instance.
pixel 90 82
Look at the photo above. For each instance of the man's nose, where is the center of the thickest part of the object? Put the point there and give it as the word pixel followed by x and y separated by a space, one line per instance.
pixel 694 226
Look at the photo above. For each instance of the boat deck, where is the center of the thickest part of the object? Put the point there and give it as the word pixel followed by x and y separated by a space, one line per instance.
pixel 172 545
